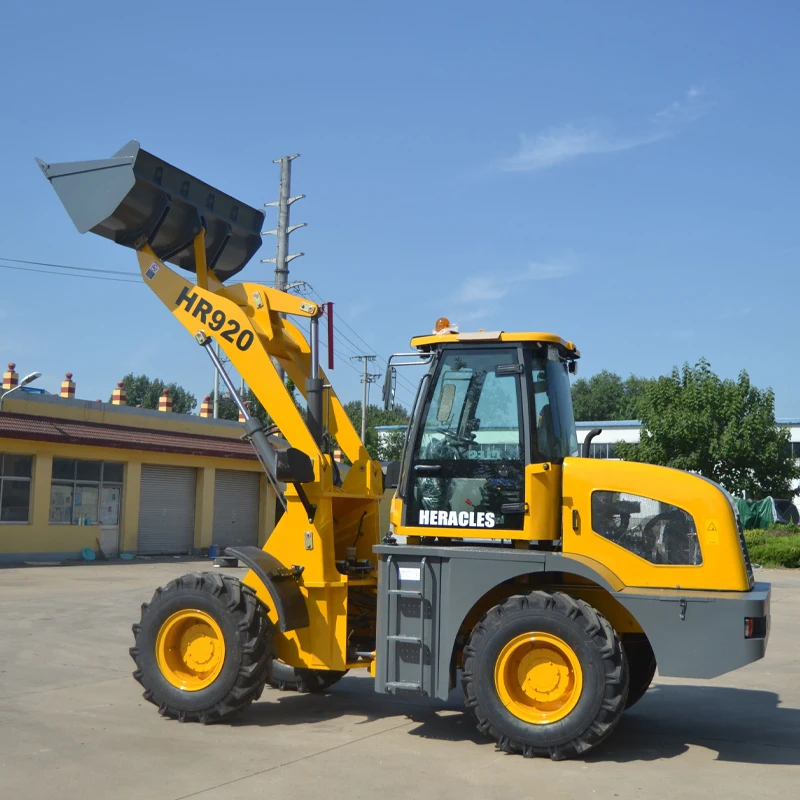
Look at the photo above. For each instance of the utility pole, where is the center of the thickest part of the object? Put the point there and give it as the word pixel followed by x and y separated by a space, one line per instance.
pixel 281 233
pixel 367 378
pixel 223 359
pixel 216 386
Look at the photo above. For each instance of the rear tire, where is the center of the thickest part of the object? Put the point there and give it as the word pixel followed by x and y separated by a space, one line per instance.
pixel 304 681
pixel 545 675
pixel 203 648
pixel 642 668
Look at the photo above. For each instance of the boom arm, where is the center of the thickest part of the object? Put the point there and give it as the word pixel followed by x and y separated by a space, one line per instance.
pixel 246 321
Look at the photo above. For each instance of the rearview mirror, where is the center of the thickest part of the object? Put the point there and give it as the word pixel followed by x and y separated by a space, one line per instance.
pixel 391 479
pixel 446 398
pixel 294 466
pixel 388 388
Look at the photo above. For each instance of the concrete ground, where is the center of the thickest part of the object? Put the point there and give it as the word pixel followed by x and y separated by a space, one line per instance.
pixel 73 723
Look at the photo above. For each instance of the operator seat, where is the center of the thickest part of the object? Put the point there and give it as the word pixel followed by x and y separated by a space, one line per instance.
pixel 545 435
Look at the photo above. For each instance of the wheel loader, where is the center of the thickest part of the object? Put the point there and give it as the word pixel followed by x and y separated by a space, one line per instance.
pixel 554 583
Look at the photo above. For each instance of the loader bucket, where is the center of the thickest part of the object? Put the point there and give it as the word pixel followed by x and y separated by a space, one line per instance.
pixel 135 198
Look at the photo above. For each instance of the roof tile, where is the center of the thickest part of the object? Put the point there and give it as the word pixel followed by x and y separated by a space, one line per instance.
pixel 48 429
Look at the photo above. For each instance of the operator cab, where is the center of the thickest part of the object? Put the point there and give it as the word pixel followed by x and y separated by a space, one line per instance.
pixel 491 405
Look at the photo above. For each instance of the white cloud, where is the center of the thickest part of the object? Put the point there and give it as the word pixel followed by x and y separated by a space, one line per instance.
pixel 695 105
pixel 546 272
pixel 481 313
pixel 481 289
pixel 734 313
pixel 558 145
pixel 486 288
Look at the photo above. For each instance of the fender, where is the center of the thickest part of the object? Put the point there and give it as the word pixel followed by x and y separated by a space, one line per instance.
pixel 287 599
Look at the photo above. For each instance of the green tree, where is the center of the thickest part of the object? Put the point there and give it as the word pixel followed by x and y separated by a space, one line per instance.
pixel 226 408
pixel 722 429
pixel 390 446
pixel 607 396
pixel 142 391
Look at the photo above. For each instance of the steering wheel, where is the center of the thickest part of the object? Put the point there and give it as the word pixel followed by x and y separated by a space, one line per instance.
pixel 666 516
pixel 677 545
pixel 459 441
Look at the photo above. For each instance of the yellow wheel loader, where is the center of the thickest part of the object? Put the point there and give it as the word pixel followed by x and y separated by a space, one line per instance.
pixel 554 583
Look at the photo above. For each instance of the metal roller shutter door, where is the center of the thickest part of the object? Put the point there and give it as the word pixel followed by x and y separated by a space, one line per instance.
pixel 166 510
pixel 236 508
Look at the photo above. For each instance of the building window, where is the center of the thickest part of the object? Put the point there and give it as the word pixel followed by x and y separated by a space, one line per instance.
pixel 598 450
pixel 15 487
pixel 793 449
pixel 84 492
pixel 603 450
pixel 657 532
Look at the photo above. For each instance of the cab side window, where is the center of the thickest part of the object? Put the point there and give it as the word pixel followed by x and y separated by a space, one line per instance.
pixel 657 532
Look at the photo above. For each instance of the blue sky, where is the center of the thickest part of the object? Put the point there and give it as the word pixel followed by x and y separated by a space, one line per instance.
pixel 622 174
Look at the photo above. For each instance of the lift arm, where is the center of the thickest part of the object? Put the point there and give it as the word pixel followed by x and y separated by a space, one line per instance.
pixel 246 321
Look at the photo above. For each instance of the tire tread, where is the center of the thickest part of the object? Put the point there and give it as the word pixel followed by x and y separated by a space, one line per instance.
pixel 255 633
pixel 605 639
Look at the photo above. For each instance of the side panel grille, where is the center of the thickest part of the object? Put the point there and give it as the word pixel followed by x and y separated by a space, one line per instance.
pixel 743 544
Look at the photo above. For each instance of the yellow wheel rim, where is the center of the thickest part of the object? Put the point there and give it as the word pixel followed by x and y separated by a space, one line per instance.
pixel 538 678
pixel 190 650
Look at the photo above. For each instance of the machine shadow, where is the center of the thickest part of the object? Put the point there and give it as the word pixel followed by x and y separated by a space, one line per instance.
pixel 742 725
pixel 354 697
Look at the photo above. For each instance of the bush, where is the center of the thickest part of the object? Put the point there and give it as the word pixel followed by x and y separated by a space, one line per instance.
pixel 774 547
pixel 755 538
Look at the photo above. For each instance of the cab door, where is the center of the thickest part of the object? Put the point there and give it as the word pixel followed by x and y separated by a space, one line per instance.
pixel 467 468
pixel 552 429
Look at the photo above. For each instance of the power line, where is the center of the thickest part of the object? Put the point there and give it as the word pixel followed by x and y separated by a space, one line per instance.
pixel 130 277
pixel 366 379
pixel 355 369
pixel 66 266
pixel 69 274
pixel 410 393
pixel 301 286
pixel 409 387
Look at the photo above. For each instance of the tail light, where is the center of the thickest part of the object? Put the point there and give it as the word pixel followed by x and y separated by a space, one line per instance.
pixel 755 627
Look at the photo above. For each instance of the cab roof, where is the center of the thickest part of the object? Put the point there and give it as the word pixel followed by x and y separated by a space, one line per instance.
pixel 468 337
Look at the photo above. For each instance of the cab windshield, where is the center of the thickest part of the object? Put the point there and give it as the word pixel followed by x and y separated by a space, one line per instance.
pixel 555 422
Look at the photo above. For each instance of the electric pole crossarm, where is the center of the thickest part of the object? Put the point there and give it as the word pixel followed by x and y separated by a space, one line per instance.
pixel 284 228
pixel 367 378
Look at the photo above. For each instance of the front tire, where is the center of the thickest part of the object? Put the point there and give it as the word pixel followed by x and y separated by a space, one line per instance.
pixel 304 681
pixel 545 675
pixel 203 648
